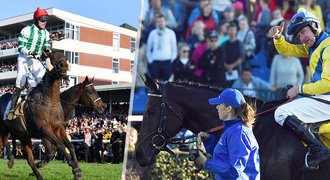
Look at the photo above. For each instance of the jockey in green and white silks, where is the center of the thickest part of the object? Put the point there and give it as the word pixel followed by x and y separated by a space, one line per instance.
pixel 31 41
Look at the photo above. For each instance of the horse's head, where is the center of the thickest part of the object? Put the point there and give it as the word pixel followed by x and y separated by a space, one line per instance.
pixel 57 65
pixel 161 120
pixel 90 98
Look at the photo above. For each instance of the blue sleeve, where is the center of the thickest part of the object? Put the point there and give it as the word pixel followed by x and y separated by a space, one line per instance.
pixel 194 14
pixel 216 17
pixel 238 146
pixel 210 143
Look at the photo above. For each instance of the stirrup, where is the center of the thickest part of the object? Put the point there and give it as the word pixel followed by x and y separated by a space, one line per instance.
pixel 308 166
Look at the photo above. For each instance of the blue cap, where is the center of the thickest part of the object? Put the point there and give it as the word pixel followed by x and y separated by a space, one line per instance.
pixel 231 97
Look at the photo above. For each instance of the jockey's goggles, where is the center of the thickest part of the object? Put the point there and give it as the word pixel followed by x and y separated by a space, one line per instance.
pixel 43 19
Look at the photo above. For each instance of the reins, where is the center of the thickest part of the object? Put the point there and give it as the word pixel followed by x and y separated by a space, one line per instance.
pixel 271 109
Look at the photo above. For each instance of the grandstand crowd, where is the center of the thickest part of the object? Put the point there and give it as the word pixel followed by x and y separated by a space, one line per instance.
pixel 223 43
pixel 96 138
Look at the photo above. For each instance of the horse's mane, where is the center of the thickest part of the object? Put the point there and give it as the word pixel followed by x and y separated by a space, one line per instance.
pixel 196 85
pixel 252 100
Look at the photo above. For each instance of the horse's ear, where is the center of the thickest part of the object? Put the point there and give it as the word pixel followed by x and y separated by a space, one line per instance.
pixel 86 78
pixel 149 82
pixel 92 79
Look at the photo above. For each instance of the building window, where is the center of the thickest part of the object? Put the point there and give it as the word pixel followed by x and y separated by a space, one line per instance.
pixel 133 44
pixel 115 66
pixel 116 42
pixel 73 57
pixel 115 82
pixel 72 31
pixel 132 67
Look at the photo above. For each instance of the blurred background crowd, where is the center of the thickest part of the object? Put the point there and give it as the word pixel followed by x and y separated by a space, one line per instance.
pixel 223 43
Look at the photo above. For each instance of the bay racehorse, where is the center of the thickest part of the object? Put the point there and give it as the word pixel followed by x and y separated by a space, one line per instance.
pixel 172 106
pixel 43 116
pixel 82 94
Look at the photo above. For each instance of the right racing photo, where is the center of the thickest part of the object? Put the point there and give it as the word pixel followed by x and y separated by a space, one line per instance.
pixel 231 89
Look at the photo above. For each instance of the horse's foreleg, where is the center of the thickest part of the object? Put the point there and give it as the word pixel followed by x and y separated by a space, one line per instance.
pixel 4 141
pixel 61 148
pixel 49 153
pixel 75 167
pixel 30 158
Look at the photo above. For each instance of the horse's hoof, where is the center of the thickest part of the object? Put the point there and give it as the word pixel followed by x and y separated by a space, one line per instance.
pixel 10 164
pixel 78 176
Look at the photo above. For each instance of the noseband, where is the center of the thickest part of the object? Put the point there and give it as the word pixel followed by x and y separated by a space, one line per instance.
pixel 90 98
pixel 160 134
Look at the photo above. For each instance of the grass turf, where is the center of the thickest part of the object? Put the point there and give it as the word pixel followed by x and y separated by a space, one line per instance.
pixel 59 170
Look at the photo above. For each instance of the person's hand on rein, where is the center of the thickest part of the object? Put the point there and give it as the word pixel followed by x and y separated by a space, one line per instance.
pixel 293 92
pixel 276 31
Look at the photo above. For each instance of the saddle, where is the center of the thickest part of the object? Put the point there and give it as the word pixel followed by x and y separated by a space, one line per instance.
pixel 18 111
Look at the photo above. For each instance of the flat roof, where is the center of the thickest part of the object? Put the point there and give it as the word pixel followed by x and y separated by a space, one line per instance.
pixel 26 19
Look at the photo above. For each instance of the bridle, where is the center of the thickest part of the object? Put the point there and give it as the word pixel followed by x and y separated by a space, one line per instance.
pixel 75 103
pixel 160 134
pixel 89 97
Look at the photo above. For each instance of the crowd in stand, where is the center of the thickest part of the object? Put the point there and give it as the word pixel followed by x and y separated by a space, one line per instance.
pixel 9 44
pixel 6 88
pixel 217 42
pixel 8 67
pixel 96 138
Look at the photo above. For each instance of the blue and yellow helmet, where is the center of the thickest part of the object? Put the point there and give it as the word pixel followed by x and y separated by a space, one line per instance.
pixel 300 20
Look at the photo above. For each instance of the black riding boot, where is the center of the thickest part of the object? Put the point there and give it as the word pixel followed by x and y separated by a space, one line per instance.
pixel 14 100
pixel 318 151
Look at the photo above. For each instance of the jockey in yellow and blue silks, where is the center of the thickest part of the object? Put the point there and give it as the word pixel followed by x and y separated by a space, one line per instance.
pixel 31 41
pixel 296 114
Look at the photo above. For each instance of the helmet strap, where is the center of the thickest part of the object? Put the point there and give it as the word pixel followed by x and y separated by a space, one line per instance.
pixel 37 23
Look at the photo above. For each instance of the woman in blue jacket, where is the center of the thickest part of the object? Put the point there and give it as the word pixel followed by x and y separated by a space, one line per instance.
pixel 236 154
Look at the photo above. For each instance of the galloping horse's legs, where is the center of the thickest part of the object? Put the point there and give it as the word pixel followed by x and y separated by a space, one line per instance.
pixel 69 145
pixel 26 142
pixel 10 155
pixel 61 148
pixel 49 153
pixel 4 142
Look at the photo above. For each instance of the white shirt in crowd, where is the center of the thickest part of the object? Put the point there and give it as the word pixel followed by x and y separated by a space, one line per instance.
pixel 161 45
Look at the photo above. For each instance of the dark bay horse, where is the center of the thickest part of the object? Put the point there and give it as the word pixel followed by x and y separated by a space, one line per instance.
pixel 173 106
pixel 43 116
pixel 82 94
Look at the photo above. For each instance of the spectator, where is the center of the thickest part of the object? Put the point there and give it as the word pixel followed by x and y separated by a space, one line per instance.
pixel 229 15
pixel 222 33
pixel 251 86
pixel 219 6
pixel 206 17
pixel 150 20
pixel 288 9
pixel 246 36
pixel 197 12
pixel 98 145
pixel 212 63
pixel 161 50
pixel 285 70
pixel 314 8
pixel 87 142
pixel 115 138
pixel 233 51
pixel 197 35
pixel 262 25
pixel 325 6
pixel 183 67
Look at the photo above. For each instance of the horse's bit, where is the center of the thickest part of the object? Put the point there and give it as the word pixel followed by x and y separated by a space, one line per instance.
pixel 160 133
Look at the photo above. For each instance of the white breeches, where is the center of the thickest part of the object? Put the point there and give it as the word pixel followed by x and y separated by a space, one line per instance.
pixel 306 109
pixel 29 71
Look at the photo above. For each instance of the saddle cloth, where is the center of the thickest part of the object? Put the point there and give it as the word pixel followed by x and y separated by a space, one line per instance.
pixel 18 109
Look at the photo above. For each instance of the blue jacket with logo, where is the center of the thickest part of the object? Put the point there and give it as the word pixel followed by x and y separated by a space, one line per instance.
pixel 236 154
